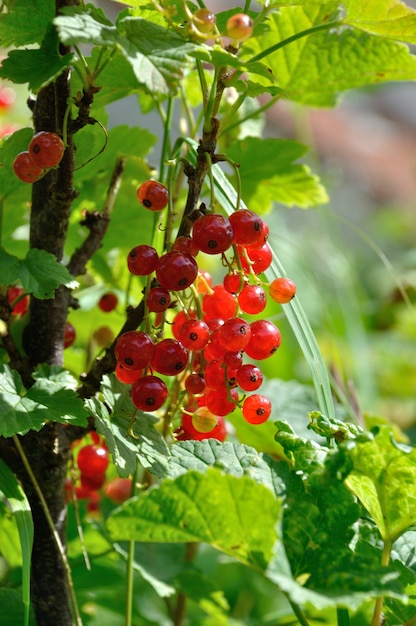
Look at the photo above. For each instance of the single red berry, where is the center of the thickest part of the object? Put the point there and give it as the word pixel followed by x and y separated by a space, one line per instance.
pixel 153 195
pixel 134 349
pixel 69 335
pixel 179 320
pixel 249 377
pixel 148 393
pixel 127 376
pixel 26 169
pixel 185 244
pixel 233 359
pixel 204 20
pixel 108 302
pixel 264 341
pixel 212 233
pixel 119 489
pixel 218 401
pixel 260 258
pixel 142 260
pixel 176 270
pixel 252 299
pixel 170 357
pixel 282 290
pixel 214 350
pixel 17 300
pixel 195 383
pixel 233 282
pixel 234 334
pixel 46 149
pixel 92 459
pixel 158 299
pixel 194 334
pixel 239 27
pixel 248 227
pixel 218 377
pixel 263 239
pixel 103 336
pixel 93 482
pixel 256 409
pixel 219 303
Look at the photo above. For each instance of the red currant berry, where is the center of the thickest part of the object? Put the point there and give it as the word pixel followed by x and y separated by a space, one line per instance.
pixel 179 320
pixel 69 335
pixel 239 27
pixel 252 299
pixel 134 350
pixel 170 357
pixel 214 350
pixel 158 299
pixel 195 383
pixel 233 283
pixel 204 282
pixel 233 360
pixel 127 376
pixel 260 258
pixel 142 260
pixel 194 334
pixel 218 402
pixel 92 483
pixel 186 244
pixel 176 270
pixel 282 290
pixel 17 300
pixel 204 20
pixel 119 489
pixel 218 377
pixel 263 239
pixel 264 341
pixel 248 227
pixel 92 459
pixel 108 302
pixel 213 233
pixel 103 336
pixel 234 334
pixel 186 431
pixel 153 195
pixel 256 409
pixel 148 393
pixel 26 169
pixel 219 303
pixel 249 377
pixel 46 149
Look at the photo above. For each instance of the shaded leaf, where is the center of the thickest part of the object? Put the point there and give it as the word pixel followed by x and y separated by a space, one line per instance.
pixel 17 30
pixel 389 18
pixel 17 142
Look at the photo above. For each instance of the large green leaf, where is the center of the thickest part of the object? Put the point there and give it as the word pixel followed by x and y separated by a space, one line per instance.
pixel 390 18
pixel 26 24
pixel 130 435
pixel 384 479
pixel 276 177
pixel 39 272
pixel 50 398
pixel 210 507
pixel 317 68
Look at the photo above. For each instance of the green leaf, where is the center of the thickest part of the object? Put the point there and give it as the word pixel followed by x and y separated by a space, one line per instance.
pixel 14 144
pixel 211 507
pixel 384 479
pixel 389 18
pixel 129 439
pixel 39 272
pixel 36 67
pixel 275 177
pixel 49 399
pixel 25 25
pixel 20 507
pixel 317 68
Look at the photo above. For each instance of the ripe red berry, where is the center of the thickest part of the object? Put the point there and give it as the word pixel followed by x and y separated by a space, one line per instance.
pixel 234 334
pixel 92 459
pixel 282 290
pixel 233 282
pixel 148 393
pixel 46 149
pixel 19 307
pixel 218 377
pixel 92 482
pixel 119 489
pixel 256 409
pixel 185 244
pixel 158 299
pixel 264 341
pixel 153 195
pixel 69 335
pixel 213 233
pixel 108 302
pixel 233 359
pixel 204 20
pixel 252 299
pixel 239 27
pixel 170 357
pixel 176 270
pixel 179 320
pixel 103 336
pixel 248 227
pixel 204 282
pixel 7 97
pixel 214 350
pixel 260 258
pixel 219 303
pixel 218 402
pixel 26 169
pixel 142 260
pixel 194 334
pixel 127 376
pixel 134 349
pixel 186 431
pixel 249 377
pixel 195 383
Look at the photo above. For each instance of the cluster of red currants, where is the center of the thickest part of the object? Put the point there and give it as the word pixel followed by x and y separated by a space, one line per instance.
pixel 45 152
pixel 210 335
pixel 92 464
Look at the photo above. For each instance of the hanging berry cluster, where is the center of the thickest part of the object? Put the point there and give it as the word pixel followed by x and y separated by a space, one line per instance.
pixel 44 152
pixel 211 337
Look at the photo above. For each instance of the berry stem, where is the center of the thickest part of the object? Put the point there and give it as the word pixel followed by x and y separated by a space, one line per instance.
pixel 166 139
